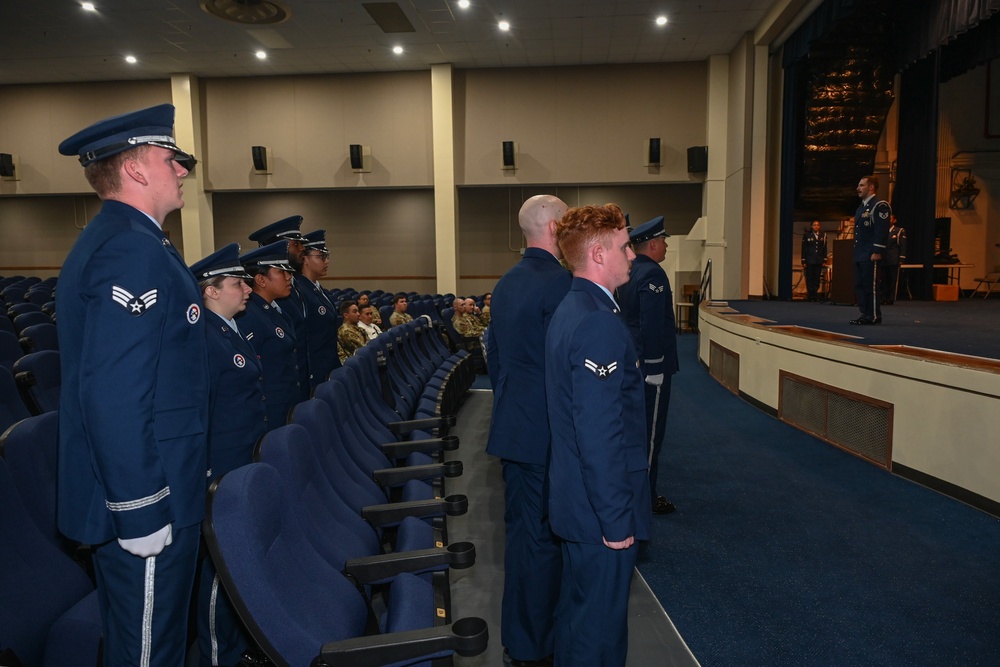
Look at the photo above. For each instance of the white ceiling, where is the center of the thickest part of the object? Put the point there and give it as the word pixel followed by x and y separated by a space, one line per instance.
pixel 45 41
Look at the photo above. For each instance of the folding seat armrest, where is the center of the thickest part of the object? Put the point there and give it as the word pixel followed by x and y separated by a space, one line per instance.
pixel 466 637
pixel 384 567
pixel 392 477
pixel 390 514
pixel 404 427
pixel 399 450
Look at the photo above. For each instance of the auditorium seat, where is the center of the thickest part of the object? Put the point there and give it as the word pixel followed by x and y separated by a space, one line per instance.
pixel 301 610
pixel 39 380
pixel 12 407
pixel 49 614
pixel 7 325
pixel 10 348
pixel 21 308
pixel 21 322
pixel 39 337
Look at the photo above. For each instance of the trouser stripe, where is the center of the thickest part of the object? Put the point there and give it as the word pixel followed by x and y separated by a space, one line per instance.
pixel 652 431
pixel 147 612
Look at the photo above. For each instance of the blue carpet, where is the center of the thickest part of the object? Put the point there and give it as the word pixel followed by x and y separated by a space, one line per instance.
pixel 967 326
pixel 787 551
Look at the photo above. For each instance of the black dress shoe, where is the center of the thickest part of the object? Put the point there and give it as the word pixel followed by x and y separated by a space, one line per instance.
pixel 862 320
pixel 662 506
pixel 547 661
pixel 877 320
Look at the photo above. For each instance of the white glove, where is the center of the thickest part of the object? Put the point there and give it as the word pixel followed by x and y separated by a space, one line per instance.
pixel 655 380
pixel 151 545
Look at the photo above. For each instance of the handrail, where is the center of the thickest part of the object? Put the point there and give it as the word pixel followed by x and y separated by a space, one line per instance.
pixel 705 291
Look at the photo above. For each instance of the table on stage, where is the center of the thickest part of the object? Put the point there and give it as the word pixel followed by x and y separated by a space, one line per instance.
pixel 954 273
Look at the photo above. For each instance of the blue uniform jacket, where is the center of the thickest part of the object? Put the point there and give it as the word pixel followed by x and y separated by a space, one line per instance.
pixel 814 248
pixel 523 303
pixel 294 312
pixel 871 229
pixel 271 335
pixel 598 483
pixel 648 305
pixel 321 323
pixel 134 402
pixel 236 398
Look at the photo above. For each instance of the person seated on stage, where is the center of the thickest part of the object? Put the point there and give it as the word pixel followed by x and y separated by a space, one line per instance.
pixel 485 315
pixel 399 315
pixel 363 302
pixel 367 322
pixel 350 337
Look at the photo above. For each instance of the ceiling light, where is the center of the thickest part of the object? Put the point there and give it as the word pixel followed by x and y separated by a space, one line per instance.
pixel 131 60
pixel 661 20
pixel 504 26
pixel 397 50
pixel 261 55
pixel 89 6
pixel 464 4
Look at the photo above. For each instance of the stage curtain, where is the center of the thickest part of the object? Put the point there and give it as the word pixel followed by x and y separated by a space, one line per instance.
pixel 792 133
pixel 923 27
pixel 913 199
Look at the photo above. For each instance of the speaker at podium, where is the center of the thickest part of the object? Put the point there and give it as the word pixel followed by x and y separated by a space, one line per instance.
pixel 842 285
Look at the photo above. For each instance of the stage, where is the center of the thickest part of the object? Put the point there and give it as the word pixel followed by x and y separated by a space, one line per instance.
pixel 918 395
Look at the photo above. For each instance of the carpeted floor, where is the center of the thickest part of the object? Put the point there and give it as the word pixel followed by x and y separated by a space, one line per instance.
pixel 787 551
pixel 967 326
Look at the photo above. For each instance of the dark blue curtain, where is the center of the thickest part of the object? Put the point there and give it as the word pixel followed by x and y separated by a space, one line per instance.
pixel 792 132
pixel 913 200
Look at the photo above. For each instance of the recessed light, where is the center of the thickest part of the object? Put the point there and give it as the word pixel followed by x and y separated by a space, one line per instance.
pixel 504 26
pixel 397 50
pixel 89 6
pixel 131 60
pixel 661 20
pixel 261 55
pixel 464 4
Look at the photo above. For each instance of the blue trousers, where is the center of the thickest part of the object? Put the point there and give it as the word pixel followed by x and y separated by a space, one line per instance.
pixel 866 288
pixel 532 564
pixel 592 619
pixel 221 640
pixel 657 404
pixel 144 601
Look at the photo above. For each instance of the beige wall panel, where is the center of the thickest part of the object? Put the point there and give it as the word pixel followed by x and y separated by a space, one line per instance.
pixel 35 119
pixel 581 124
pixel 309 123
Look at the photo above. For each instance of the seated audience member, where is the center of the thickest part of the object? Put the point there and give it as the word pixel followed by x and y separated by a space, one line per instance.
pixel 350 337
pixel 464 321
pixel 485 315
pixel 367 322
pixel 363 302
pixel 399 315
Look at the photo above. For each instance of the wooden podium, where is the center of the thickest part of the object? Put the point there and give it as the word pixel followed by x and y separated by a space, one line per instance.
pixel 842 286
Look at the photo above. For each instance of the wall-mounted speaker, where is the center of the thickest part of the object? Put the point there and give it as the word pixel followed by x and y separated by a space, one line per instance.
pixel 508 152
pixel 360 158
pixel 697 159
pixel 653 152
pixel 261 156
pixel 9 167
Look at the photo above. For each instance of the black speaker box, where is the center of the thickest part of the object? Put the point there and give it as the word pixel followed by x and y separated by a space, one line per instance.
pixel 697 159
pixel 509 157
pixel 357 158
pixel 654 151
pixel 259 154
pixel 6 165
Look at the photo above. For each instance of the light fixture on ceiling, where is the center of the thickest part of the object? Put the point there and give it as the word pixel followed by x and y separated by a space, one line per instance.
pixel 131 60
pixel 89 6
pixel 504 25
pixel 661 20
pixel 463 4
pixel 397 50
pixel 261 55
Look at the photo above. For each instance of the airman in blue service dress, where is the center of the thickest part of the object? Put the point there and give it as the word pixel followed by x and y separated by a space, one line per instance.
pixel 522 307
pixel 271 335
pixel 814 254
pixel 134 401
pixel 648 305
pixel 895 254
pixel 321 320
pixel 292 307
pixel 598 472
pixel 236 420
pixel 871 230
